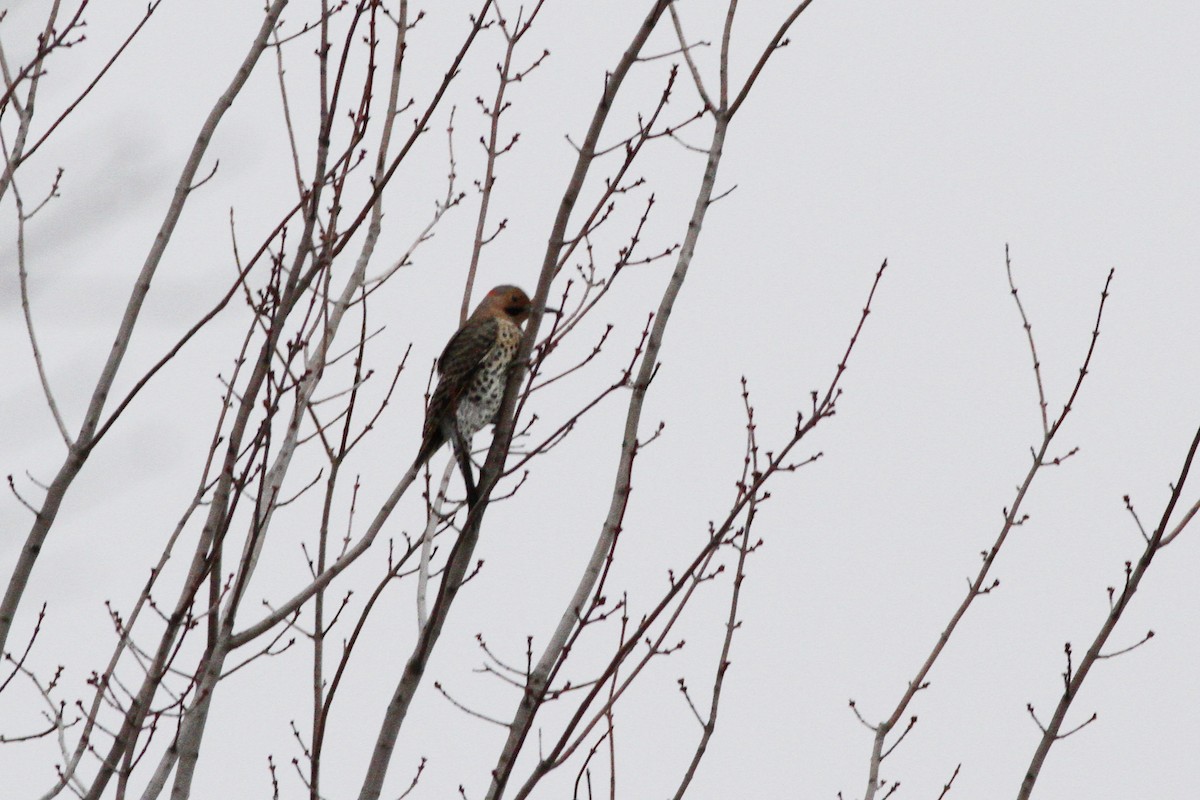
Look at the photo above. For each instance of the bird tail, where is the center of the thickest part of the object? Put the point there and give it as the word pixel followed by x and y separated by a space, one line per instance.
pixel 434 439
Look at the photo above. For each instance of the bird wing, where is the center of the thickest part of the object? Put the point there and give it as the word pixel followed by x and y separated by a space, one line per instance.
pixel 457 366
pixel 466 351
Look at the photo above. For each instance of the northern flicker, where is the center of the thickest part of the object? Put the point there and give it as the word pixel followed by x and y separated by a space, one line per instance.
pixel 472 373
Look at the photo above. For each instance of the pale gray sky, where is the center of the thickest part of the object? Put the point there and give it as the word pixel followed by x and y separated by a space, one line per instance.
pixel 928 133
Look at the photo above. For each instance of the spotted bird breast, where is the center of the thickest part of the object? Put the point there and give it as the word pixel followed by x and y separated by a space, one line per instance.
pixel 479 406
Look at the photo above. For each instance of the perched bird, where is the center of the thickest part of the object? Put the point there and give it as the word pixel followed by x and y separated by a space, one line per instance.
pixel 473 370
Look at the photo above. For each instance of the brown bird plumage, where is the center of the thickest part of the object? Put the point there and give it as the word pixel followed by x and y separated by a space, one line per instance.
pixel 473 370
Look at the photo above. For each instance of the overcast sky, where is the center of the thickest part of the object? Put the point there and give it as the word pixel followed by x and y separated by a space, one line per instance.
pixel 928 133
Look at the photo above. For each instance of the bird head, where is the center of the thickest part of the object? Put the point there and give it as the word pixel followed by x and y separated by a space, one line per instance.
pixel 508 301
